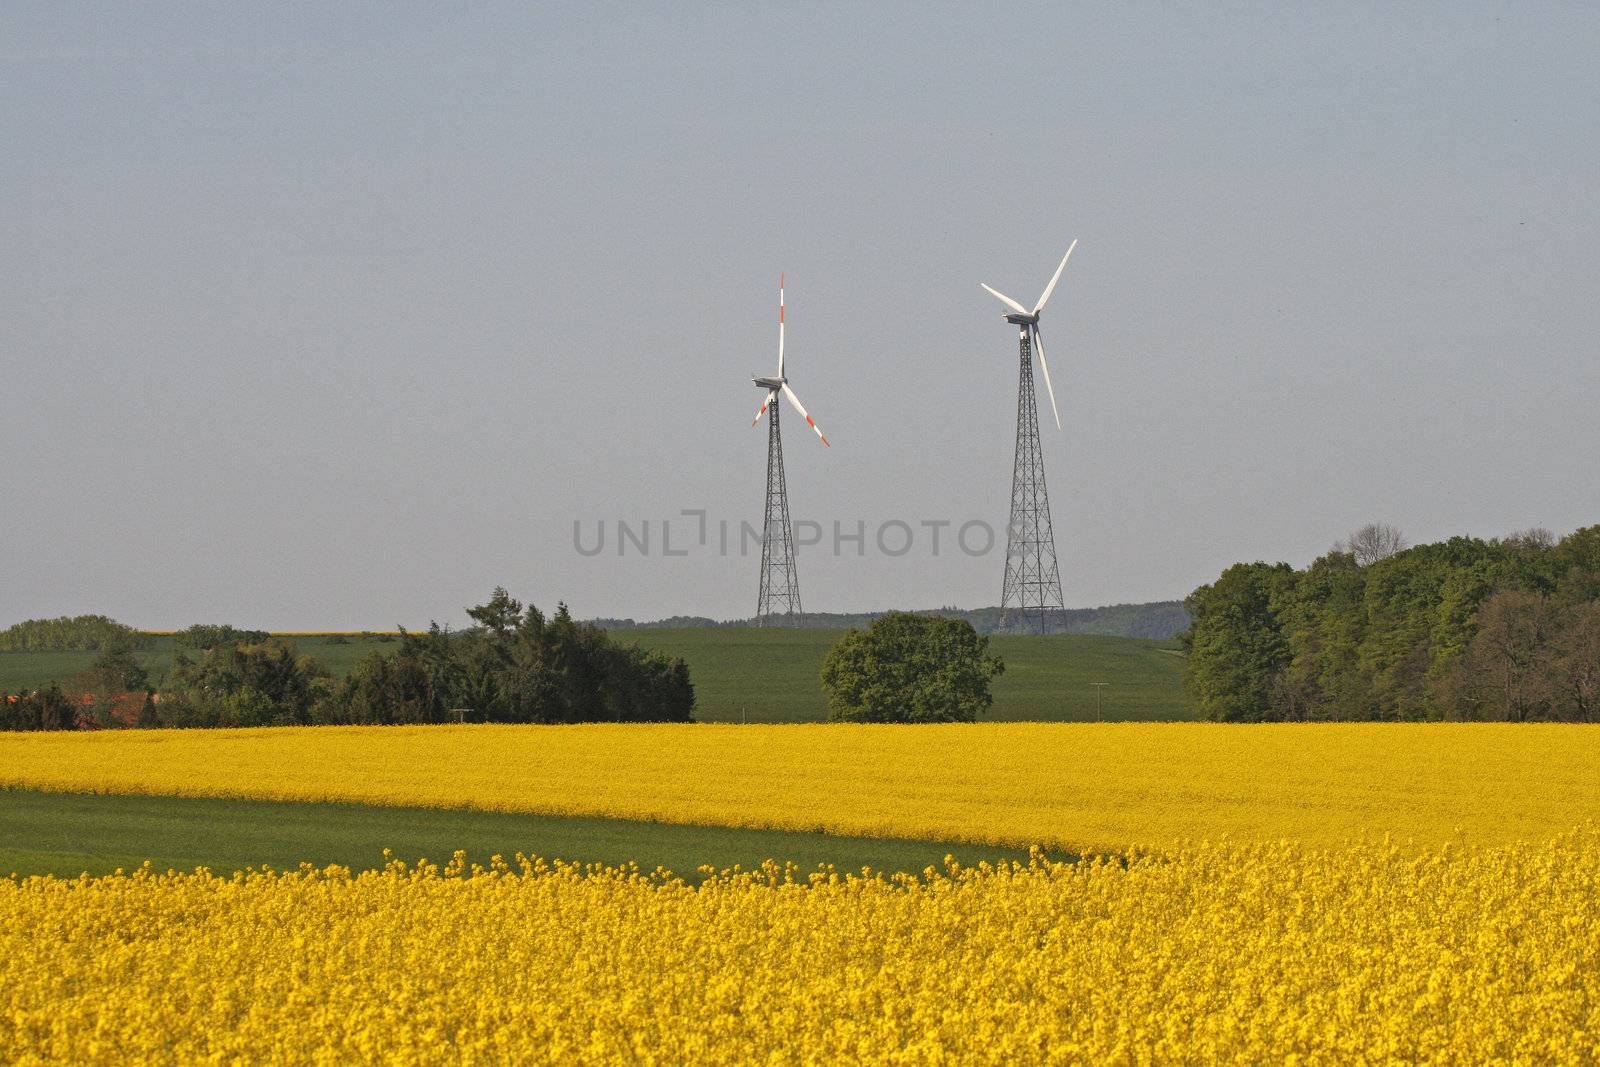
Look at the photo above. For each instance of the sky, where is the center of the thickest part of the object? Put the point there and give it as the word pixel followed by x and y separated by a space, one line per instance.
pixel 338 316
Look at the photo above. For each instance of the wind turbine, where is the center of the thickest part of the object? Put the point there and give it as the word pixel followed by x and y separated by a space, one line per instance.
pixel 1032 582
pixel 779 584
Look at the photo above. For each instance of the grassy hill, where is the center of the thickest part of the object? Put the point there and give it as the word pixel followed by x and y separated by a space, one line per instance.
pixel 773 675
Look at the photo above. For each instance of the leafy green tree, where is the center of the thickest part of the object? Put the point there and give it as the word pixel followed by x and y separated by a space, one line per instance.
pixel 910 668
pixel 1236 646
pixel 1322 623
pixel 1575 561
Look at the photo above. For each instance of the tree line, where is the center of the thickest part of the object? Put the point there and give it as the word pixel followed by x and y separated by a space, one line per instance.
pixel 1503 629
pixel 98 633
pixel 512 665
pixel 515 665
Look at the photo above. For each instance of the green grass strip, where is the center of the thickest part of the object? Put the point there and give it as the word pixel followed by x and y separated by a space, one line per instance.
pixel 67 834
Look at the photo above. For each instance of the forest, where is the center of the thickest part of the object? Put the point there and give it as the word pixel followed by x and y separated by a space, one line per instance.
pixel 1504 629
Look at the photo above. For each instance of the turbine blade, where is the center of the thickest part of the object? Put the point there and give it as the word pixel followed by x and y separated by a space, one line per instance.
pixel 780 325
pixel 771 395
pixel 803 414
pixel 1052 286
pixel 1038 346
pixel 1006 300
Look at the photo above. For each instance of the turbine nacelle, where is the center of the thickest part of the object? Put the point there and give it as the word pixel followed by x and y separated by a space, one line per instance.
pixel 1029 322
pixel 780 382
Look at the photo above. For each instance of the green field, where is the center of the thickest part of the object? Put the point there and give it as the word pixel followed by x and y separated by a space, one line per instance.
pixel 67 834
pixel 746 674
pixel 773 675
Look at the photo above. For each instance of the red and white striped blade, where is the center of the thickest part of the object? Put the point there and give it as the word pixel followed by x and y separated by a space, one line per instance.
pixel 802 410
pixel 771 396
pixel 780 325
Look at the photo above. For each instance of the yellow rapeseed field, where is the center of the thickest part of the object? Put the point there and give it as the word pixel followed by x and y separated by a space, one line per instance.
pixel 1257 953
pixel 1075 786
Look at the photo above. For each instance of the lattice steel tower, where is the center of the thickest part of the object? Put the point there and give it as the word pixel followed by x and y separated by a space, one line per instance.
pixel 1032 588
pixel 1033 583
pixel 779 599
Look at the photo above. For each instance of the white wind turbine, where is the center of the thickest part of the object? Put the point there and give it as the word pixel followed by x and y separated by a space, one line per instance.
pixel 1033 580
pixel 774 385
pixel 779 599
pixel 1029 322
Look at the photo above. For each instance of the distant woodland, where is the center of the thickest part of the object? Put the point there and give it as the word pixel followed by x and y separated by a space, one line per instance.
pixel 1161 620
pixel 512 665
pixel 1505 629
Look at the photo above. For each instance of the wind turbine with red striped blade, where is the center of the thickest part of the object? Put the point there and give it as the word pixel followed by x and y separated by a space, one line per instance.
pixel 779 599
pixel 1033 583
pixel 780 383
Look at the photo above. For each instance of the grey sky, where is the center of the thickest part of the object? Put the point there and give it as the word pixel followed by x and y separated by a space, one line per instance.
pixel 322 318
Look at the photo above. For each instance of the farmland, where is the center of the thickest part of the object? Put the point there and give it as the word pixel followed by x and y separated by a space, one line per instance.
pixel 1222 953
pixel 1339 892
pixel 1076 787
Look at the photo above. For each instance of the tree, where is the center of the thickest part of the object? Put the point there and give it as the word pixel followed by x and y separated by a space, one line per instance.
pixel 1575 560
pixel 116 670
pixel 1373 542
pixel 500 615
pixel 1534 657
pixel 246 685
pixel 515 666
pixel 910 668
pixel 1574 663
pixel 115 684
pixel 43 709
pixel 1236 645
pixel 1507 662
pixel 1534 537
